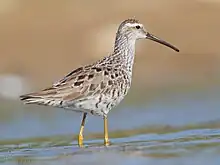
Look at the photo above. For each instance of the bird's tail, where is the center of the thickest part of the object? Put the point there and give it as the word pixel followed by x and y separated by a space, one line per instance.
pixel 44 97
pixel 32 99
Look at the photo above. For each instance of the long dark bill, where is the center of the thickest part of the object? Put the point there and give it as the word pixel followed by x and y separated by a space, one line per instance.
pixel 154 38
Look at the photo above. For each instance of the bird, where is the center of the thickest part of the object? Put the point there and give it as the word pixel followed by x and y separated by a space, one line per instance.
pixel 98 87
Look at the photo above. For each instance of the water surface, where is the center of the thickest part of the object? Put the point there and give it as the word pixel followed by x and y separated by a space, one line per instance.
pixel 169 128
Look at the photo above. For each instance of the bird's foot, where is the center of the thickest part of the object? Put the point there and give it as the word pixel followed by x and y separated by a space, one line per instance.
pixel 80 141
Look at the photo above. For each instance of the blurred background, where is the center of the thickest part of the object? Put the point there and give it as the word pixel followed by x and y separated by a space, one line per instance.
pixel 43 40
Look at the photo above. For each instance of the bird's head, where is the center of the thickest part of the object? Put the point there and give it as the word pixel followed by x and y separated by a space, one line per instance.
pixel 133 29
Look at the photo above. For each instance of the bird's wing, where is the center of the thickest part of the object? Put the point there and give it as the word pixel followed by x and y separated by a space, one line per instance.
pixel 79 84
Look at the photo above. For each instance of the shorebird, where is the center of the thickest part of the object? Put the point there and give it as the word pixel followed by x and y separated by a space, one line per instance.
pixel 97 88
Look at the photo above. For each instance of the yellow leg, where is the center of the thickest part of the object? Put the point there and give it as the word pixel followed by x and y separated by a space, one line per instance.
pixel 106 139
pixel 80 137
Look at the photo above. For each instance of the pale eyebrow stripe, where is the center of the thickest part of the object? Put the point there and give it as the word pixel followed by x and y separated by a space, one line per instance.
pixel 134 24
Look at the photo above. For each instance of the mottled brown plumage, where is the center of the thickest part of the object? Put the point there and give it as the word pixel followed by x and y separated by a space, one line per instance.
pixel 98 87
pixel 81 86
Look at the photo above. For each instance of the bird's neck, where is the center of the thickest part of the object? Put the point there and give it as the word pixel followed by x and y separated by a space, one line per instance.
pixel 124 51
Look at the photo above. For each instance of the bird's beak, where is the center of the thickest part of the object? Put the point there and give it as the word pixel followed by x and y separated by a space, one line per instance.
pixel 154 38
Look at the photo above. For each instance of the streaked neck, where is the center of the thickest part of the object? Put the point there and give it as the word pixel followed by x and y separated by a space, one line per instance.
pixel 124 51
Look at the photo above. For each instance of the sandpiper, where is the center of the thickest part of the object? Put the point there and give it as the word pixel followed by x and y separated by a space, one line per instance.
pixel 97 88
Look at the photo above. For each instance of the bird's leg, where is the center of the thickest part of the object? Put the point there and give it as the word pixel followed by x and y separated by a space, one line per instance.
pixel 106 139
pixel 80 137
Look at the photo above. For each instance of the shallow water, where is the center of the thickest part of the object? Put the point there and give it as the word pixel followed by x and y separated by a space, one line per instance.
pixel 175 127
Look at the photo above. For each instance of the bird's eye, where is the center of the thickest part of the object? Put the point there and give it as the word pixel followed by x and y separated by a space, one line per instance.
pixel 137 27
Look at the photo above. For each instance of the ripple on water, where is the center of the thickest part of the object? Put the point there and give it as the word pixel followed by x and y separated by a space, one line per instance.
pixel 143 147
